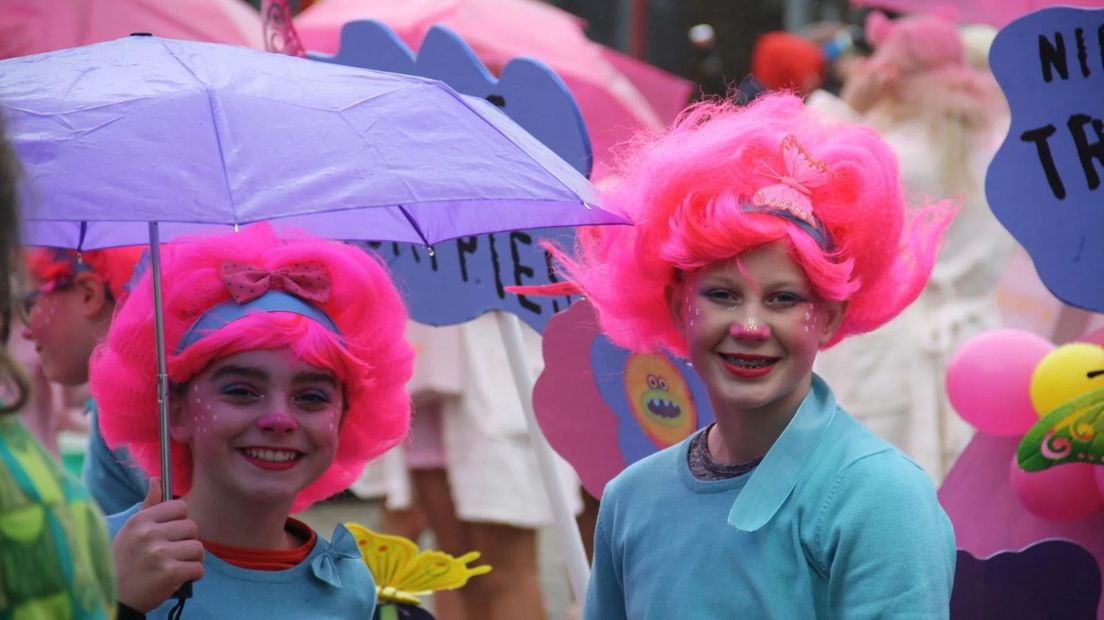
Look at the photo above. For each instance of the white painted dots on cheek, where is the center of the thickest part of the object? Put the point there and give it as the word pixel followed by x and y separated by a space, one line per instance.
pixel 200 411
pixel 813 317
pixel 690 309
pixel 46 316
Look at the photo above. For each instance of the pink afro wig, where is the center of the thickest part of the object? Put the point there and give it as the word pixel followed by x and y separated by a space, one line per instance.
pixel 916 43
pixel 685 190
pixel 371 358
pixel 114 266
pixel 925 59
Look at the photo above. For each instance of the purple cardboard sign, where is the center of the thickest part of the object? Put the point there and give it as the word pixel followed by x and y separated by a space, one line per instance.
pixel 528 91
pixel 1049 579
pixel 1045 182
pixel 603 408
pixel 472 272
pixel 465 278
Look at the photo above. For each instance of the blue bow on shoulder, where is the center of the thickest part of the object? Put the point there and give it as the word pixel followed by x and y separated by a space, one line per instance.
pixel 342 547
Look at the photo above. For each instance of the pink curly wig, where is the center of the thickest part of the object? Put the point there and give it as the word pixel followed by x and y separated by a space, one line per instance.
pixel 685 193
pixel 371 359
pixel 926 55
pixel 114 266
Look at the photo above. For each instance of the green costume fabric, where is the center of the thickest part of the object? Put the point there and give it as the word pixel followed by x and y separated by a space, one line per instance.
pixel 55 555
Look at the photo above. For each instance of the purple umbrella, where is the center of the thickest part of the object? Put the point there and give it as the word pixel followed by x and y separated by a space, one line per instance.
pixel 134 139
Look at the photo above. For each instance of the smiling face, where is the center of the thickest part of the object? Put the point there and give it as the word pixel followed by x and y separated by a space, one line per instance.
pixel 753 327
pixel 261 425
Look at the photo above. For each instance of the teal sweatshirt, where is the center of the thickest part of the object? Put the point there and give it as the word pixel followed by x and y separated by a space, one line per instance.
pixel 834 523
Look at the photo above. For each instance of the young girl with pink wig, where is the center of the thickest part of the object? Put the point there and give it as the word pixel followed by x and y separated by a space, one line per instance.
pixel 761 236
pixel 288 365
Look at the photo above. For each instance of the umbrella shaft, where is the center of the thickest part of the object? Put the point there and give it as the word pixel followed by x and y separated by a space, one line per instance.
pixel 162 371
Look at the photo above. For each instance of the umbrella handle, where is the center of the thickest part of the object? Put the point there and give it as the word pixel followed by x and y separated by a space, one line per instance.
pixel 162 365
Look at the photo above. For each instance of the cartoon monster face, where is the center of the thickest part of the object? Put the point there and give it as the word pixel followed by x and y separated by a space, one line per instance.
pixel 660 399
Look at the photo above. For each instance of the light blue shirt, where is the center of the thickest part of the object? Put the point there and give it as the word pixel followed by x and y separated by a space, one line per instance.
pixel 332 582
pixel 834 523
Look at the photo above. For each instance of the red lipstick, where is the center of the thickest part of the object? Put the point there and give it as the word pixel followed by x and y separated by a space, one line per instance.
pixel 764 367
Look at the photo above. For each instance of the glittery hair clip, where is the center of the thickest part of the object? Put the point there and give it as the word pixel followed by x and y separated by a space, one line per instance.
pixel 788 196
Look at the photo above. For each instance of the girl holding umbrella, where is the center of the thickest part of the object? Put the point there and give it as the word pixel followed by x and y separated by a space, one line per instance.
pixel 288 367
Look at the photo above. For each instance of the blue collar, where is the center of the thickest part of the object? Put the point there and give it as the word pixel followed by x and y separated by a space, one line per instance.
pixel 774 479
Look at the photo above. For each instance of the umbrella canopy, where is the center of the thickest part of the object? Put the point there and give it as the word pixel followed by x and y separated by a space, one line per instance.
pixel 141 129
pixel 996 13
pixel 500 30
pixel 34 26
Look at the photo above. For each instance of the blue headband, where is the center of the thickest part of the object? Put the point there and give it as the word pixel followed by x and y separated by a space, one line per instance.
pixel 817 230
pixel 227 312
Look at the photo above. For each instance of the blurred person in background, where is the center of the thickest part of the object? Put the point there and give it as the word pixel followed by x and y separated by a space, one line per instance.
pixel 51 409
pixel 784 61
pixel 945 119
pixel 55 556
pixel 470 471
pixel 67 313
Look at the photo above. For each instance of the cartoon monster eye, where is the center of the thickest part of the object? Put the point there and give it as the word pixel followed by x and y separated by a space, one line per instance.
pixel 663 384
pixel 652 382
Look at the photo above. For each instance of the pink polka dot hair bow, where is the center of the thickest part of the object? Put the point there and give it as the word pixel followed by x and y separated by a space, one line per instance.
pixel 307 281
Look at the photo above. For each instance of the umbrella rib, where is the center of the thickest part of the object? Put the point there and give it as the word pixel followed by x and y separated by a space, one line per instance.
pixel 499 131
pixel 215 125
pixel 414 224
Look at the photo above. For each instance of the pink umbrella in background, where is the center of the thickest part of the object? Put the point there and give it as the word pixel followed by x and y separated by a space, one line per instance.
pixel 34 26
pixel 613 106
pixel 997 13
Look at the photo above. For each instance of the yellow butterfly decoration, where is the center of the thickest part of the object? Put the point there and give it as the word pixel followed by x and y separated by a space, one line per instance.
pixel 403 572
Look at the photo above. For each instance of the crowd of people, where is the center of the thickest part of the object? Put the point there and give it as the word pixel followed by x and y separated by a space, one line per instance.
pixel 816 254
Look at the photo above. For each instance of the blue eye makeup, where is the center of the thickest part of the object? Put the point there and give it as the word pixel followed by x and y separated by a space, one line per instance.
pixel 239 391
pixel 314 398
pixel 787 299
pixel 719 295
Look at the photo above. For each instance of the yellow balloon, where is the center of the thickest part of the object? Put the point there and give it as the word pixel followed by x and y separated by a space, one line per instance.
pixel 1065 373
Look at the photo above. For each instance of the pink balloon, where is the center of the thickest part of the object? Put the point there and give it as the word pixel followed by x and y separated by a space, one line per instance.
pixel 989 380
pixel 1095 337
pixel 1061 493
pixel 1098 472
